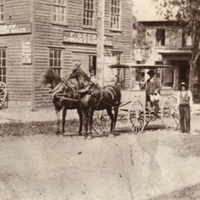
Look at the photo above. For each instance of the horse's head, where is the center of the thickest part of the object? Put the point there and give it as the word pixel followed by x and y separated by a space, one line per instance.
pixel 75 73
pixel 49 77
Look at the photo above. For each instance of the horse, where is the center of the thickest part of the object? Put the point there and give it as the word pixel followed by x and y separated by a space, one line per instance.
pixel 93 97
pixel 58 86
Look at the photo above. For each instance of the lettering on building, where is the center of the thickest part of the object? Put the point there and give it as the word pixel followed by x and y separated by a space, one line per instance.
pixel 15 29
pixel 85 38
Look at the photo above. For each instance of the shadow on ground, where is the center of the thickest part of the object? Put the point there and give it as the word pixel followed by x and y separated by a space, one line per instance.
pixel 187 193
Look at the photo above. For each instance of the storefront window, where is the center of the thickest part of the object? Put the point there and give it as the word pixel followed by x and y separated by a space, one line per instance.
pixel 115 14
pixel 3 65
pixel 55 60
pixel 92 64
pixel 59 11
pixel 88 13
pixel 167 78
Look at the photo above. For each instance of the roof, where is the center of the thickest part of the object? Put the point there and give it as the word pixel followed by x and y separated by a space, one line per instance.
pixel 141 66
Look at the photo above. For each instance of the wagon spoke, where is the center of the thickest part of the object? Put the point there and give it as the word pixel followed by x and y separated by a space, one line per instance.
pixel 137 117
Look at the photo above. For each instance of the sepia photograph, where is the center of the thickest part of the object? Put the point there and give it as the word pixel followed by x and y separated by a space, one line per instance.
pixel 99 99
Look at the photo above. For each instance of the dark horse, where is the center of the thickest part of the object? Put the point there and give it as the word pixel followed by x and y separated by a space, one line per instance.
pixel 92 98
pixel 49 77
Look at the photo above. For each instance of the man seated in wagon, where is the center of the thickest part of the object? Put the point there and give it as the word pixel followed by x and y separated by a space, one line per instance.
pixel 153 88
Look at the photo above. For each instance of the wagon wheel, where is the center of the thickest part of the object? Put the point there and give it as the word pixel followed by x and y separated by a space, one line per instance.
pixel 137 117
pixel 101 124
pixel 169 113
pixel 3 94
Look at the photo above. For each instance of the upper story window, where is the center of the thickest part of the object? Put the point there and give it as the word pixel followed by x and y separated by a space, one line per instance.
pixel 59 11
pixel 1 10
pixel 160 37
pixel 186 40
pixel 115 14
pixel 88 13
pixel 55 60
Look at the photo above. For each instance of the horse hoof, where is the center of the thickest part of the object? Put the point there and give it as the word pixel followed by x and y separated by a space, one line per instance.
pixel 89 137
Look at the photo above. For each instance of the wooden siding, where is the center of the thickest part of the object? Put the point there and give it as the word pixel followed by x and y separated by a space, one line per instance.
pixel 48 34
pixel 18 75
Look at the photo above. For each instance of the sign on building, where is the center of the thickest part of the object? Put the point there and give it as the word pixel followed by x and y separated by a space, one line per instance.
pixel 26 52
pixel 85 38
pixel 9 29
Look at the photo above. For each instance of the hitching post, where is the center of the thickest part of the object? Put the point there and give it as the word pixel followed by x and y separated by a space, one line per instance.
pixel 100 43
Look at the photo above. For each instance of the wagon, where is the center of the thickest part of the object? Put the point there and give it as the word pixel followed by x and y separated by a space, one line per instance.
pixel 131 80
pixel 3 95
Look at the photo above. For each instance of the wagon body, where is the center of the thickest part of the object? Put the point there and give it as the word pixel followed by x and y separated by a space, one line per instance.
pixel 131 79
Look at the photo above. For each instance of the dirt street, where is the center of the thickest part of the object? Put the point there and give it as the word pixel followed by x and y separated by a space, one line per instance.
pixel 152 166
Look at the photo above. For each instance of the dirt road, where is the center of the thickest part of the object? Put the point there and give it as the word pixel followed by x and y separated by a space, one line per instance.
pixel 155 165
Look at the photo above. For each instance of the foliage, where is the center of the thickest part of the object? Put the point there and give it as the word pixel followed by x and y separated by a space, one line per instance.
pixel 139 39
pixel 187 13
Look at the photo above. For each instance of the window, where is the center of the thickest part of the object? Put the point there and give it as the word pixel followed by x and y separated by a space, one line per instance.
pixel 186 40
pixel 1 10
pixel 117 55
pixel 3 65
pixel 160 37
pixel 88 13
pixel 92 64
pixel 115 14
pixel 55 57
pixel 59 11
pixel 167 78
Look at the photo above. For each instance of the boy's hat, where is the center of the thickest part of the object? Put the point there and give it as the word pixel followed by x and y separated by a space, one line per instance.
pixel 183 84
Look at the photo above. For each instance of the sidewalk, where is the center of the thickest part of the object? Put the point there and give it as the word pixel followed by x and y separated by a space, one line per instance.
pixel 24 115
pixel 46 114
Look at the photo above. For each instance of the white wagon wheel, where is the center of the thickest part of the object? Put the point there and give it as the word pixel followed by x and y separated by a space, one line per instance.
pixel 169 113
pixel 137 117
pixel 101 124
pixel 3 94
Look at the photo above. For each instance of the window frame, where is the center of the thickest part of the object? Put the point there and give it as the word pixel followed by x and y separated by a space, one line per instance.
pixel 55 68
pixel 94 15
pixel 65 13
pixel 3 77
pixel 159 41
pixel 2 4
pixel 120 16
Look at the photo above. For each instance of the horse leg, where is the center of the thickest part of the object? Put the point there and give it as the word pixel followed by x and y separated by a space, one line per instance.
pixel 91 112
pixel 63 119
pixel 116 109
pixel 109 111
pixel 58 122
pixel 80 121
pixel 85 121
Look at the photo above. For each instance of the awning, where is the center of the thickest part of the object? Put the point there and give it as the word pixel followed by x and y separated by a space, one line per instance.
pixel 139 66
pixel 179 55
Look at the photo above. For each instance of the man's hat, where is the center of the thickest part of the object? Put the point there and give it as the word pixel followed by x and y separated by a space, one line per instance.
pixel 151 72
pixel 183 84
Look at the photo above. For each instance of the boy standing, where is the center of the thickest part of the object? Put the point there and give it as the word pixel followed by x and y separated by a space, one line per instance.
pixel 185 103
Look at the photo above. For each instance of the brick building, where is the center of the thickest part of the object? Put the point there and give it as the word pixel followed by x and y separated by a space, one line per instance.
pixel 38 34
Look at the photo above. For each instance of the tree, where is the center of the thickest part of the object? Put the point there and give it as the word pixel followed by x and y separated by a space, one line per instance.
pixel 139 40
pixel 187 13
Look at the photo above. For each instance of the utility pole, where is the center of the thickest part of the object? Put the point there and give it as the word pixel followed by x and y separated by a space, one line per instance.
pixel 100 42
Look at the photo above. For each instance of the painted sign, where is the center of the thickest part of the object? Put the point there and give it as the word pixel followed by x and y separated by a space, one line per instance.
pixel 26 52
pixel 8 29
pixel 85 38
